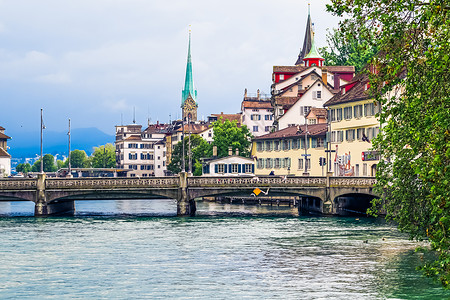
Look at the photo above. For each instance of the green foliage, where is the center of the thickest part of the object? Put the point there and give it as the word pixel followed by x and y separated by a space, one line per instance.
pixel 60 164
pixel 411 82
pixel 48 165
pixel 228 134
pixel 200 149
pixel 103 157
pixel 344 49
pixel 78 159
pixel 23 168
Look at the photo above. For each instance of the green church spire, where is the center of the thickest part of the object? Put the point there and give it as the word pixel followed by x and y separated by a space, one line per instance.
pixel 189 79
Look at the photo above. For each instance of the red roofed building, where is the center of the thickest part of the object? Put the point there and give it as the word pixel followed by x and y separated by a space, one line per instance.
pixel 257 113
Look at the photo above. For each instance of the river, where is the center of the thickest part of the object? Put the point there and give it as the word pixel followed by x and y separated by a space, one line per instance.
pixel 140 250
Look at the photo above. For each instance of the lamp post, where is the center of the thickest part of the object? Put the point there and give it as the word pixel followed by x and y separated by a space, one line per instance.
pixel 183 169
pixel 306 149
pixel 189 147
pixel 42 129
pixel 69 173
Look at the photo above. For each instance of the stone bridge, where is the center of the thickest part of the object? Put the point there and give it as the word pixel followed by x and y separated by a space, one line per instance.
pixel 57 195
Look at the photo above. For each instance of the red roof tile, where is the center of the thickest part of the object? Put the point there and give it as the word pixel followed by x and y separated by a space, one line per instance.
pixel 4 136
pixel 256 104
pixel 295 131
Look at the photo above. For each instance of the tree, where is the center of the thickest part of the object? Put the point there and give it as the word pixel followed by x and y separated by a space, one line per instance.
pixel 60 164
pixel 228 134
pixel 200 149
pixel 103 157
pixel 344 49
pixel 48 165
pixel 410 79
pixel 77 159
pixel 23 168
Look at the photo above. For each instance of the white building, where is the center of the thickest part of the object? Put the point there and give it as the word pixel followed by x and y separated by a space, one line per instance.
pixel 257 113
pixel 233 165
pixel 139 151
pixel 5 158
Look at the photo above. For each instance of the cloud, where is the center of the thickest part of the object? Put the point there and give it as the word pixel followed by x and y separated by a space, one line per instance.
pixel 116 105
pixel 56 78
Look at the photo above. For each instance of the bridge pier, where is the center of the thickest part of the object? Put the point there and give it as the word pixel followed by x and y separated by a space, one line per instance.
pixel 185 206
pixel 42 208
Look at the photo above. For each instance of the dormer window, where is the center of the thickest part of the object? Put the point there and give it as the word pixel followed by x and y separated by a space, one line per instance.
pixel 281 76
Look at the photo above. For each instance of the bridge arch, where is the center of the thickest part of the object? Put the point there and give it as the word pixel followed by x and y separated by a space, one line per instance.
pixel 353 204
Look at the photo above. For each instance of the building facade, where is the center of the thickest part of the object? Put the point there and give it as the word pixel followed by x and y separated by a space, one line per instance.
pixel 353 125
pixel 5 157
pixel 283 152
pixel 233 165
pixel 257 113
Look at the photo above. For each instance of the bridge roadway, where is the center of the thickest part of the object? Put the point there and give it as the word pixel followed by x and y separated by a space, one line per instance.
pixel 57 195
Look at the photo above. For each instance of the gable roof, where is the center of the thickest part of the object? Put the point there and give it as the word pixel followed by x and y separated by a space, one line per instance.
pixel 263 104
pixel 3 153
pixel 4 136
pixel 357 93
pixel 229 117
pixel 318 112
pixel 296 131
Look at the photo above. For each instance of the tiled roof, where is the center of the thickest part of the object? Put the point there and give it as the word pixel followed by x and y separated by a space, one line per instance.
pixel 4 136
pixel 1 128
pixel 318 112
pixel 341 69
pixel 286 102
pixel 295 131
pixel 157 128
pixel 356 93
pixel 230 117
pixel 194 128
pixel 256 104
pixel 133 138
pixel 3 153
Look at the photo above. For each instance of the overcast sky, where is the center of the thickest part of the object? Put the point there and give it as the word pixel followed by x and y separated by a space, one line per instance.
pixel 94 60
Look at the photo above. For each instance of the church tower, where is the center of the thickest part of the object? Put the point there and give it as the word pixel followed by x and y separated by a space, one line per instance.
pixel 189 95
pixel 307 43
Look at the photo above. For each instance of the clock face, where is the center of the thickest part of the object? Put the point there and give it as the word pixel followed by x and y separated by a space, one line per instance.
pixel 189 104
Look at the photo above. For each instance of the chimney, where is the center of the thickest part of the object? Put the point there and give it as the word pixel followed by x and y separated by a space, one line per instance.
pixel 237 151
pixel 258 95
pixel 245 93
pixel 337 81
pixel 324 75
pixel 230 151
pixel 214 151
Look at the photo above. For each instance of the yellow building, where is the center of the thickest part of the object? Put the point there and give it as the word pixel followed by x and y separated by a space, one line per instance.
pixel 353 125
pixel 283 151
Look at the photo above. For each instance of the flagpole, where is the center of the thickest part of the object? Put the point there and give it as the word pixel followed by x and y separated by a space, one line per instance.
pixel 42 127
pixel 69 171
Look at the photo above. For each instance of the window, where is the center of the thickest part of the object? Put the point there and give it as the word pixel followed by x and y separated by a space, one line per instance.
pixel 260 163
pixel 276 145
pixel 347 113
pixel 132 156
pixel 320 142
pixel 255 117
pixel 209 134
pixel 269 163
pixel 281 76
pixel 234 168
pixel 277 163
pixel 313 77
pixel 255 128
pixel 332 115
pixel 369 109
pixel 340 136
pixel 295 143
pixel 339 114
pixel 300 164
pixel 308 163
pixel 359 133
pixel 268 145
pixel 333 137
pixel 221 168
pixel 350 135
pixel 304 110
pixel 248 168
pixel 268 117
pixel 287 162
pixel 317 94
pixel 286 145
pixel 267 128
pixel 312 121
pixel 358 111
pixel 259 146
pixel 300 87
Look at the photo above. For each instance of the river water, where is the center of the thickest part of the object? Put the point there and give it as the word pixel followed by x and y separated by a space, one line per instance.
pixel 139 250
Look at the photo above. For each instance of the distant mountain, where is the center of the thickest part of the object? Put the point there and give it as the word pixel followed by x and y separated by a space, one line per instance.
pixel 27 144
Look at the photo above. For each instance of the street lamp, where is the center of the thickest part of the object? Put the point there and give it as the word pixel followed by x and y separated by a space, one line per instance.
pixel 42 128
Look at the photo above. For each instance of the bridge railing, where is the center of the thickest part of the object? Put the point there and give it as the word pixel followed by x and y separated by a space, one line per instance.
pixel 107 183
pixel 18 184
pixel 352 181
pixel 256 181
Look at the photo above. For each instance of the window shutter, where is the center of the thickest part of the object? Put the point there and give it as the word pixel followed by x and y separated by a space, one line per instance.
pixel 240 168
pixel 253 168
pixel 216 168
pixel 229 168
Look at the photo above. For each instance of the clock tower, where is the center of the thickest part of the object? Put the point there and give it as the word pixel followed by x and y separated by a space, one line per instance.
pixel 189 95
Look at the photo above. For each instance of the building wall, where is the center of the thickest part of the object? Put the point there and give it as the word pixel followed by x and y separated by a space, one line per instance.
pixel 291 160
pixel 160 160
pixel 258 125
pixel 226 162
pixel 350 150
pixel 5 166
pixel 295 115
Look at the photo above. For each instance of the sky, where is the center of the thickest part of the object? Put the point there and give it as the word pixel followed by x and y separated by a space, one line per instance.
pixel 97 61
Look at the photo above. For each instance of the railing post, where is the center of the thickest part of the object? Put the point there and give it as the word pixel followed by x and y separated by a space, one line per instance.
pixel 185 206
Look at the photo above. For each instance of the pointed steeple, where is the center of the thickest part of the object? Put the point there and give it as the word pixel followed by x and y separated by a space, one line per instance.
pixel 307 41
pixel 189 89
pixel 313 57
